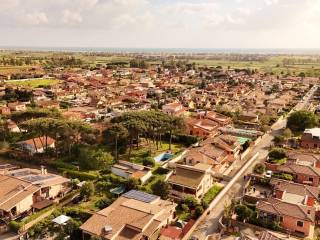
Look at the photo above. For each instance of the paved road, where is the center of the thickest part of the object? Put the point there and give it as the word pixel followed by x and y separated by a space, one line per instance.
pixel 210 224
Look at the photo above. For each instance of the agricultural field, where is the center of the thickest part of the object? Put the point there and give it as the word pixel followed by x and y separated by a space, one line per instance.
pixel 273 65
pixel 34 83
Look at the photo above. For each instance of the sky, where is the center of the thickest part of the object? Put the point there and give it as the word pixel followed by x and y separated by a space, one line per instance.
pixel 161 23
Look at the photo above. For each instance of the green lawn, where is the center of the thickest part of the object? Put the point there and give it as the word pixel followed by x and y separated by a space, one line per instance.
pixel 137 155
pixel 34 82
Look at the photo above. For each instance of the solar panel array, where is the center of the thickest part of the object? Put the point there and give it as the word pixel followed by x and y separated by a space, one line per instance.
pixel 140 196
pixel 36 178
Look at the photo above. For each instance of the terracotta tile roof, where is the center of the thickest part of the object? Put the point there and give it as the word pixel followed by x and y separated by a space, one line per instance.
pixel 39 142
pixel 129 218
pixel 171 232
pixel 300 169
pixel 295 188
pixel 306 157
pixel 14 190
pixel 280 208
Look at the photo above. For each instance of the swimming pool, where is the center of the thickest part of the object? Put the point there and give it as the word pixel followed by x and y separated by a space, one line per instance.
pixel 163 157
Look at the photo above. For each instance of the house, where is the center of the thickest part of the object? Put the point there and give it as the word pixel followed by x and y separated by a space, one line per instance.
pixel 131 170
pixel 48 104
pixel 17 106
pixel 266 235
pixel 5 110
pixel 12 126
pixel 174 108
pixel 294 218
pixel 135 215
pixel 202 128
pixel 311 138
pixel 36 145
pixel 220 119
pixel 206 123
pixel 249 117
pixel 301 174
pixel 25 190
pixel 190 181
pixel 294 192
pixel 218 152
pixel 304 158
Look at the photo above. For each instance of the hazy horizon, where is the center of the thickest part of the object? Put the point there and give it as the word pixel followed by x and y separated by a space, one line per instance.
pixel 312 51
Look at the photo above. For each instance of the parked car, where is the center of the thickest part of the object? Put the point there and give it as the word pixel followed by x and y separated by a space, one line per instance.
pixel 269 174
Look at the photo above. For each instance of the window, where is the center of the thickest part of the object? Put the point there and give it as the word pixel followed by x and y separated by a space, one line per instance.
pixel 299 224
pixel 310 179
pixel 281 219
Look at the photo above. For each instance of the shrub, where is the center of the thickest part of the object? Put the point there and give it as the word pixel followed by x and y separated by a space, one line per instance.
pixel 103 203
pixel 277 153
pixel 15 226
pixel 243 212
pixel 161 171
pixel 284 176
pixel 148 161
pixel 161 188
pixel 259 168
pixel 87 190
pixel 198 211
pixel 77 213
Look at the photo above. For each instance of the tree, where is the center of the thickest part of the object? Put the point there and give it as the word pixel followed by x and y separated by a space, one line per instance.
pixel 174 124
pixel 114 133
pixel 277 153
pixel 161 188
pixel 87 191
pixel 3 128
pixel 287 133
pixel 132 183
pixel 92 159
pixel 243 212
pixel 259 168
pixel 300 120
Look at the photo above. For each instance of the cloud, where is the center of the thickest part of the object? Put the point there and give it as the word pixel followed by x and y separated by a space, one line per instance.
pixel 69 17
pixel 36 18
pixel 271 2
pixel 162 23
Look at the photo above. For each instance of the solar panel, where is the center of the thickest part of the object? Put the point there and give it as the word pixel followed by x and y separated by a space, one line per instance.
pixel 140 196
pixel 21 173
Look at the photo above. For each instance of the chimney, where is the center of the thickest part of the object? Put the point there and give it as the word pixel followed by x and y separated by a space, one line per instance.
pixel 42 170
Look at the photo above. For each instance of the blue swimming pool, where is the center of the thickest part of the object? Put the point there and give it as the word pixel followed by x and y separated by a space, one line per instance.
pixel 163 157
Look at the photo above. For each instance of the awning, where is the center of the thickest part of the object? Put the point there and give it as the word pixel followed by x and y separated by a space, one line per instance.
pixel 61 220
pixel 117 190
pixel 42 204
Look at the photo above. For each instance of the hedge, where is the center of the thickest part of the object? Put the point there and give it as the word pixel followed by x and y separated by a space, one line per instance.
pixel 59 164
pixel 82 176
pixel 210 195
pixel 16 226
